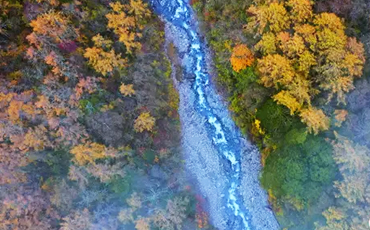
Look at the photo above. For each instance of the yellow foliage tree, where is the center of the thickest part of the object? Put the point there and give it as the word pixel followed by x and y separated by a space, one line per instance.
pixel 127 90
pixel 350 157
pixel 304 54
pixel 267 44
pixel 90 151
pixel 308 33
pixel 241 58
pixel 36 139
pixel 286 99
pixel 126 215
pixel 104 61
pixel 126 22
pixel 100 41
pixel 315 119
pixel 275 70
pixel 294 46
pixel 273 15
pixel 301 10
pixel 300 89
pixel 144 122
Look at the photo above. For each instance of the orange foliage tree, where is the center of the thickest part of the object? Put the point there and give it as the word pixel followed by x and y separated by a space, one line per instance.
pixel 241 57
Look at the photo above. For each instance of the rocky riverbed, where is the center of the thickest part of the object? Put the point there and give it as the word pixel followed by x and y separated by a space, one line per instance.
pixel 223 163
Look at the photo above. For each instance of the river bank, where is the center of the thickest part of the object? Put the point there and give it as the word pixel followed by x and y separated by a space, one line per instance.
pixel 214 149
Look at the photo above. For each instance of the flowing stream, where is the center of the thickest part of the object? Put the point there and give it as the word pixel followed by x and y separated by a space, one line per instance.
pixel 235 197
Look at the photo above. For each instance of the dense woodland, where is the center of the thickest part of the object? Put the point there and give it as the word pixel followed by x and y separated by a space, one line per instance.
pixel 296 75
pixel 89 125
pixel 88 121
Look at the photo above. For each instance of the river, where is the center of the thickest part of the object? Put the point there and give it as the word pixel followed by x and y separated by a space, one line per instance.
pixel 225 165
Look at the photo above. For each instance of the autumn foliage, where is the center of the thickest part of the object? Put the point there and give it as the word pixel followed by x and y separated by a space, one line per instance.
pixel 303 54
pixel 241 57
pixel 304 81
pixel 104 59
pixel 144 122
pixel 78 108
pixel 89 152
pixel 126 21
pixel 127 90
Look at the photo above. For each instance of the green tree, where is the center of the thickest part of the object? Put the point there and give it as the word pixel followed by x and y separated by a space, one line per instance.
pixel 303 170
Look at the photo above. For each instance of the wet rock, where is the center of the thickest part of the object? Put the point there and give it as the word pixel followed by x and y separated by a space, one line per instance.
pixel 213 147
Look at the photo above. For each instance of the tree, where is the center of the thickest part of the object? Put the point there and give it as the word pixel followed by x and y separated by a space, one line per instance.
pixel 349 156
pixel 335 219
pixel 134 201
pixel 36 139
pixel 107 126
pixel 267 44
pixel 90 151
pixel 87 84
pixel 174 214
pixel 286 99
pixel 273 15
pixel 127 90
pixel 241 57
pixel 353 161
pixel 101 58
pixel 144 122
pixel 340 116
pixel 77 220
pixel 142 224
pixel 275 70
pixel 52 24
pixel 126 22
pixel 51 30
pixel 126 215
pixel 301 10
pixel 304 169
pixel 58 197
pixel 26 207
pixel 304 54
pixel 105 172
pixel 354 11
pixel 315 119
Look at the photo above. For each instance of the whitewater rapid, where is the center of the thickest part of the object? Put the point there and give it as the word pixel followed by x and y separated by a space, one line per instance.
pixel 213 146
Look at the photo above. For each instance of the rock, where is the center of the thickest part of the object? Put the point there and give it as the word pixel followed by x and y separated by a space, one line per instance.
pixel 205 158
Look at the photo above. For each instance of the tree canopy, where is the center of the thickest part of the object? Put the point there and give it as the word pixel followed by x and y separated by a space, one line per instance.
pixel 303 55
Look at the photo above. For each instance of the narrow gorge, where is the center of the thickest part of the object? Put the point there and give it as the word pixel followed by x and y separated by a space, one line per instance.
pixel 225 165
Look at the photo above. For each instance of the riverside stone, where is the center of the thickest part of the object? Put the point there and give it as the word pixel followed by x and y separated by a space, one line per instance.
pixel 225 165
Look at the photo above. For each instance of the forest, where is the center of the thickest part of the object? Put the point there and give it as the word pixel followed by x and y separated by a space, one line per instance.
pixel 296 75
pixel 90 135
pixel 88 121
